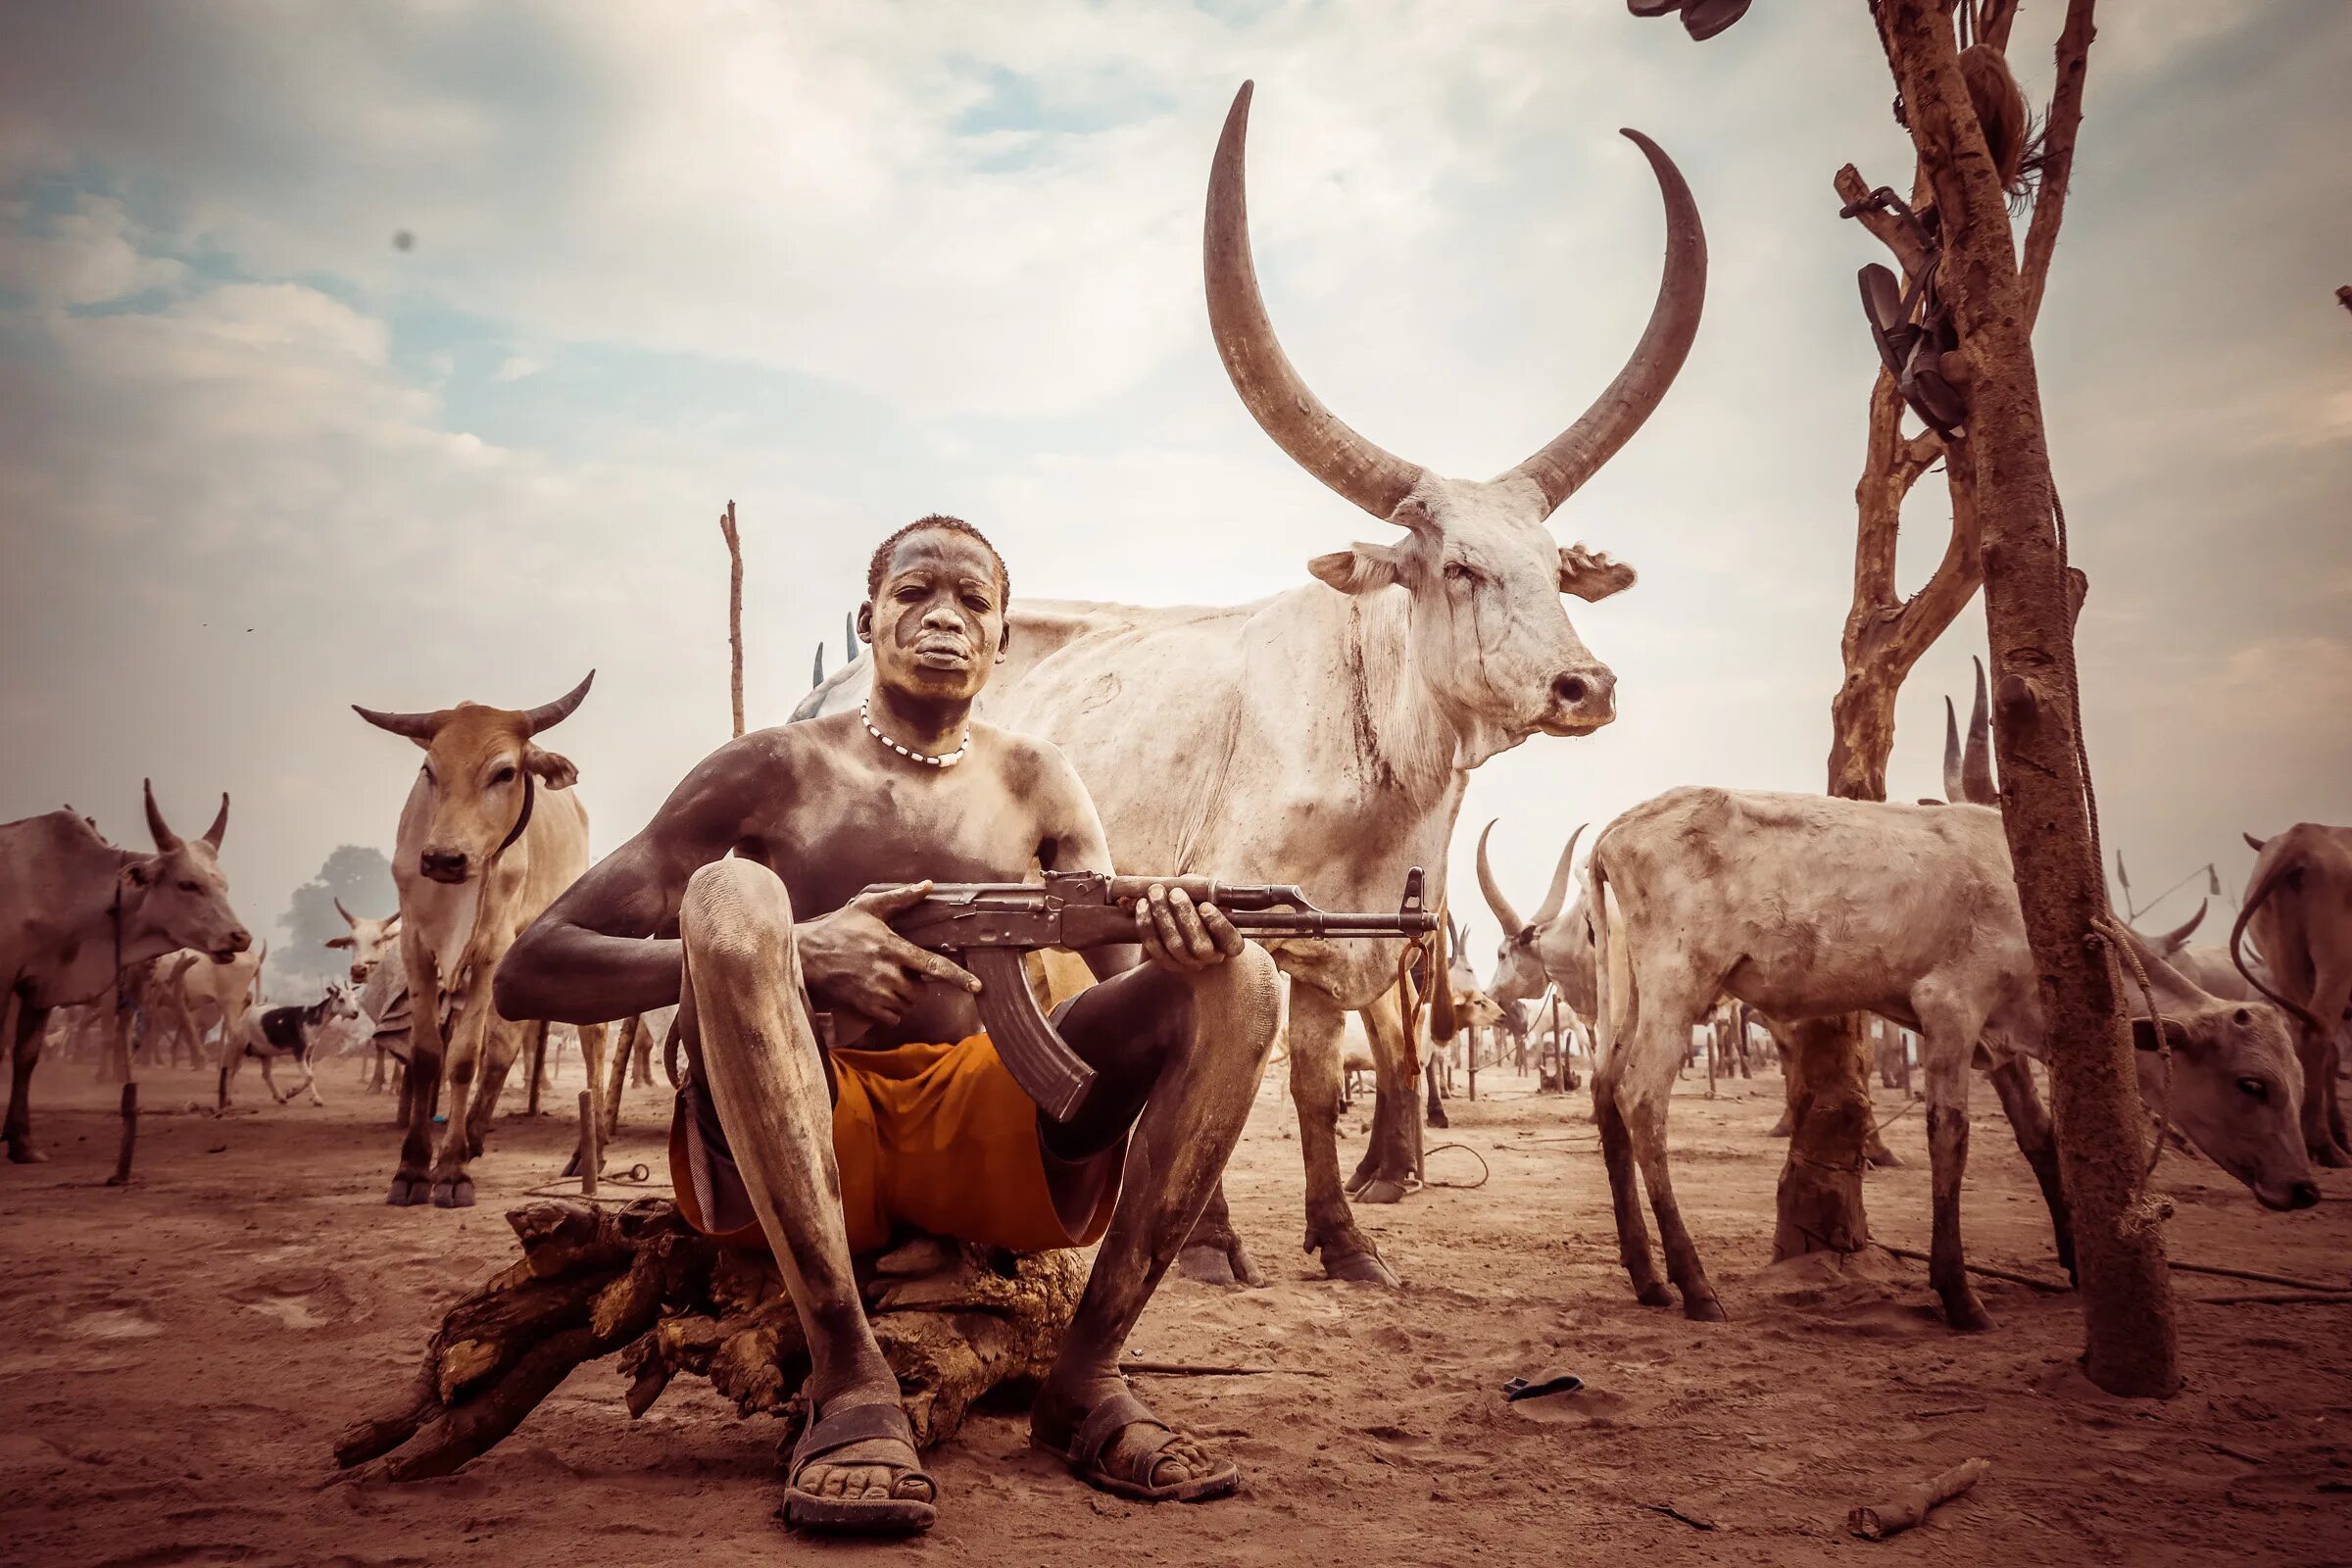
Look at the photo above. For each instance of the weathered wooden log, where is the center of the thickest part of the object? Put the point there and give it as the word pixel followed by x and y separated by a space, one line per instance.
pixel 953 1323
pixel 1878 1521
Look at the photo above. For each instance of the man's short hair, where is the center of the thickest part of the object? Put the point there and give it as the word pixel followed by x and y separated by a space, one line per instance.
pixel 938 519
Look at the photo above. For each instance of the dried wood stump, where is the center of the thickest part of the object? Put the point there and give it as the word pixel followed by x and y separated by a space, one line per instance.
pixel 953 1323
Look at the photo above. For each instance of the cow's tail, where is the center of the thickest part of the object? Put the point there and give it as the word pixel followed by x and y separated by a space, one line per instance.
pixel 2267 881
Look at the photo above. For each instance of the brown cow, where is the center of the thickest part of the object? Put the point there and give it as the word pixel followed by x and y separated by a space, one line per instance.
pixel 483 847
pixel 75 911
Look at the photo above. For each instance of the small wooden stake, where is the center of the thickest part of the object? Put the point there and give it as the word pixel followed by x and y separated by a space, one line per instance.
pixel 130 1136
pixel 591 1156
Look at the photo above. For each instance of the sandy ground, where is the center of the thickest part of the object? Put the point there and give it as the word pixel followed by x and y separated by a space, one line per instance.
pixel 179 1355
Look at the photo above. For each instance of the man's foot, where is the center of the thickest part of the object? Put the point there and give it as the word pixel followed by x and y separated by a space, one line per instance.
pixel 856 1472
pixel 1116 1444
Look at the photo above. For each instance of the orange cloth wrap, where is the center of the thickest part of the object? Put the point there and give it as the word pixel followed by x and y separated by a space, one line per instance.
pixel 935 1137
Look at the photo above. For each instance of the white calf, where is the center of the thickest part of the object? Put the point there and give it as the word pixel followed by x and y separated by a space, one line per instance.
pixel 1807 906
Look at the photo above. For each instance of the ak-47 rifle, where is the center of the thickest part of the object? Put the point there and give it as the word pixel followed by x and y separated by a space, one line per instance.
pixel 987 927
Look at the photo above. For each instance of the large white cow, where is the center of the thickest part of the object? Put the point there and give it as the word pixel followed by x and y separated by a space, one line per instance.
pixel 1324 736
pixel 75 911
pixel 490 834
pixel 1805 907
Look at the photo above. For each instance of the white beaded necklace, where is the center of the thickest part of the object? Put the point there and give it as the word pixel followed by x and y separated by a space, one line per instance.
pixel 942 760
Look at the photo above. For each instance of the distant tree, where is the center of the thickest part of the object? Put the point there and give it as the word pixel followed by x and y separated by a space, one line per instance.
pixel 362 878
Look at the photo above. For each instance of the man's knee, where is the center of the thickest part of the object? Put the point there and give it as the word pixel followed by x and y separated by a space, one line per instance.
pixel 1239 998
pixel 734 911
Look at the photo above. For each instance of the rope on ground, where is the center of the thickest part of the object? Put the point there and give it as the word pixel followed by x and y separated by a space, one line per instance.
pixel 637 1177
pixel 1483 1172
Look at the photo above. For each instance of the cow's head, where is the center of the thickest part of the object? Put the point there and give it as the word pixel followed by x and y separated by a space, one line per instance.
pixel 1491 641
pixel 2237 1086
pixel 1518 964
pixel 367 941
pixel 178 893
pixel 480 766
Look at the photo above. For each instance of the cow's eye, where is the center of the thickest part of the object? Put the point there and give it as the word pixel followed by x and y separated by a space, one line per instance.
pixel 505 775
pixel 2255 1087
pixel 1455 571
pixel 187 886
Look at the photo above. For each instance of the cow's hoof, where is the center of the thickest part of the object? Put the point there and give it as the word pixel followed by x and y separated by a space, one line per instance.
pixel 1654 1294
pixel 1221 1263
pixel 453 1194
pixel 1437 1117
pixel 1207 1265
pixel 1361 1268
pixel 26 1154
pixel 1703 1309
pixel 1965 1314
pixel 1381 1190
pixel 406 1191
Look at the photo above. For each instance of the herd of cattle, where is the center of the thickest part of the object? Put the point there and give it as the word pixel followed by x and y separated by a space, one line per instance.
pixel 1326 736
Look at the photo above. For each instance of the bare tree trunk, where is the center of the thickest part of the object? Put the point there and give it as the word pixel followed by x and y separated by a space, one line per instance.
pixel 1885 632
pixel 2030 601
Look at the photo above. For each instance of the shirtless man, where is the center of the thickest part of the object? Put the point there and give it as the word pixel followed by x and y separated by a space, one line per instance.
pixel 747 883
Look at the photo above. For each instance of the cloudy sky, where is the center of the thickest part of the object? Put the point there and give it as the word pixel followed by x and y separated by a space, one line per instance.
pixel 846 264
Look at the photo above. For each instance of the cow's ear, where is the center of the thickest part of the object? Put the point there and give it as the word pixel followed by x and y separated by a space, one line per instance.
pixel 1360 568
pixel 2143 1036
pixel 1588 575
pixel 554 768
pixel 338 942
pixel 139 873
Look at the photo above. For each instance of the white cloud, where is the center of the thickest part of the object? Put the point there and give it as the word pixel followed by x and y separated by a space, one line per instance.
pixel 849 263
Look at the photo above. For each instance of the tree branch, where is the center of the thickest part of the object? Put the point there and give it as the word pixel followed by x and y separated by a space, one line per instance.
pixel 1890 231
pixel 2058 152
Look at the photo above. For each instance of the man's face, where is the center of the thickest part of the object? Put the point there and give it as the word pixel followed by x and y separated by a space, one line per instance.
pixel 937 621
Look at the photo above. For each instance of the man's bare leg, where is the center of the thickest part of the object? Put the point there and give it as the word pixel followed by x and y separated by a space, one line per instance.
pixel 745 1006
pixel 1209 1035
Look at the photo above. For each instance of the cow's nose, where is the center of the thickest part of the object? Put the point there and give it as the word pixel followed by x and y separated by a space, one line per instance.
pixel 239 939
pixel 1588 693
pixel 442 865
pixel 2303 1195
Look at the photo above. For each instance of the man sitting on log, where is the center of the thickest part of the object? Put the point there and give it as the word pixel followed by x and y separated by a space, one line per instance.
pixel 747 882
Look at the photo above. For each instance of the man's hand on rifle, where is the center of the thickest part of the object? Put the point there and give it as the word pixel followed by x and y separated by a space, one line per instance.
pixel 1180 935
pixel 852 959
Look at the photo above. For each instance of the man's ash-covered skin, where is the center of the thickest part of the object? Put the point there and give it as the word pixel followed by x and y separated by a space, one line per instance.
pixel 747 881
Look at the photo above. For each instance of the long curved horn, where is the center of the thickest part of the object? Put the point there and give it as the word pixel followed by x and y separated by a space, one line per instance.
pixel 419 727
pixel 165 841
pixel 1558 891
pixel 1576 453
pixel 1512 926
pixel 547 715
pixel 345 913
pixel 212 835
pixel 2172 941
pixel 1270 389
pixel 2266 885
pixel 1955 786
pixel 1975 766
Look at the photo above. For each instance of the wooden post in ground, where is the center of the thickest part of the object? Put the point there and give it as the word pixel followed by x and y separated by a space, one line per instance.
pixel 592 1154
pixel 130 1136
pixel 726 528
pixel 538 1067
pixel 2050 816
